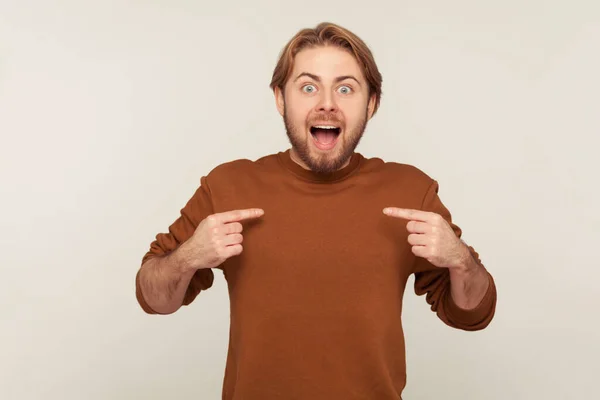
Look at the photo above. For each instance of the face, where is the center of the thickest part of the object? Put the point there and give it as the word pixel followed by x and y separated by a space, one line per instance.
pixel 325 107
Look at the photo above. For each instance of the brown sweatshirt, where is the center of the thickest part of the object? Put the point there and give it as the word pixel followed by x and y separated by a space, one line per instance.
pixel 316 295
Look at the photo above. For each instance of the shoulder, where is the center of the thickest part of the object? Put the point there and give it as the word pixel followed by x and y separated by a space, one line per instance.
pixel 397 171
pixel 242 168
pixel 400 180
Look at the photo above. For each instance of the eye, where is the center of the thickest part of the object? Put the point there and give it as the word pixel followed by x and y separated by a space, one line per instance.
pixel 309 88
pixel 345 89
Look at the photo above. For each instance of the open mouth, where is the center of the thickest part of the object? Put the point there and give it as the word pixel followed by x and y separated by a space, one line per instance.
pixel 325 136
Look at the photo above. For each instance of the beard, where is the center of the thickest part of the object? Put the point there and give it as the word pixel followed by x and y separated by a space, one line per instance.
pixel 324 163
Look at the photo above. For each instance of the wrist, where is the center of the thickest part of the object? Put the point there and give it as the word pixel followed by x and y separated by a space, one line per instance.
pixel 183 261
pixel 466 264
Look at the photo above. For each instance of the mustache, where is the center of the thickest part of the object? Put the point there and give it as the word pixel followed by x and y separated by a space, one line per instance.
pixel 328 117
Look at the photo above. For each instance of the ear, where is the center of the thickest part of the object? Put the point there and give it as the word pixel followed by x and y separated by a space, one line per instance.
pixel 371 105
pixel 279 100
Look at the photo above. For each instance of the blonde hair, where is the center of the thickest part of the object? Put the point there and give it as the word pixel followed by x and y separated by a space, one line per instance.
pixel 324 34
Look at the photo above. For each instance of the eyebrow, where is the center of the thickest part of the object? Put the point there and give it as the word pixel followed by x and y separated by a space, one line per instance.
pixel 318 79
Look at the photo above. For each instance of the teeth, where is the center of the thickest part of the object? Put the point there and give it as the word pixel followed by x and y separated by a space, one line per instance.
pixel 326 127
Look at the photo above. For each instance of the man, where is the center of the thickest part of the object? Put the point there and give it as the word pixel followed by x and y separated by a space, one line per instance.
pixel 317 243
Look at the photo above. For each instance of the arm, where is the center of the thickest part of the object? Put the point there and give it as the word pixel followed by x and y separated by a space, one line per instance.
pixel 466 302
pixel 469 282
pixel 166 280
pixel 178 266
pixel 456 284
pixel 162 282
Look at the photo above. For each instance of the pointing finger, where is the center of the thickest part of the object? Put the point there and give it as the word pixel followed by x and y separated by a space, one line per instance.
pixel 239 215
pixel 414 215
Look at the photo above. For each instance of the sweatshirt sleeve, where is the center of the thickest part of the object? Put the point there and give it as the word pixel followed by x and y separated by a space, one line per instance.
pixel 434 282
pixel 197 208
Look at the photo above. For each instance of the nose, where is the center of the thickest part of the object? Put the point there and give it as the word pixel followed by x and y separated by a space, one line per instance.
pixel 327 102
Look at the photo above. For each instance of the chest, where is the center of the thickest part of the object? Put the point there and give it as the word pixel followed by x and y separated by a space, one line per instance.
pixel 329 251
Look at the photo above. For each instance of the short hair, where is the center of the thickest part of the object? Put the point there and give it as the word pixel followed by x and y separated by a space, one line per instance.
pixel 328 34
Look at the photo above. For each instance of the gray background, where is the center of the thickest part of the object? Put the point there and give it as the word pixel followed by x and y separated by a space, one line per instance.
pixel 111 111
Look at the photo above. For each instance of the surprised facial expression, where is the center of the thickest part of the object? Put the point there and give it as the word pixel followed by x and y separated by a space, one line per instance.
pixel 325 107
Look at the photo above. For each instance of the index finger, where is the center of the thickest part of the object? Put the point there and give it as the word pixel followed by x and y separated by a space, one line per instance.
pixel 406 213
pixel 239 215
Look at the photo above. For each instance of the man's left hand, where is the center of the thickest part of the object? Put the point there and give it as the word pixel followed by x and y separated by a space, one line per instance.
pixel 432 238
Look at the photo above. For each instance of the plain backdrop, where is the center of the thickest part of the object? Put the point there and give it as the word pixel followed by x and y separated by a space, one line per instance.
pixel 111 111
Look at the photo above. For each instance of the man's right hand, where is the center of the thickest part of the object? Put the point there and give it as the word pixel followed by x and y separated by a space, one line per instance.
pixel 217 238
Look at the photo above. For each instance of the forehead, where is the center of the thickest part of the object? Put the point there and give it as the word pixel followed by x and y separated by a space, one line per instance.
pixel 328 62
